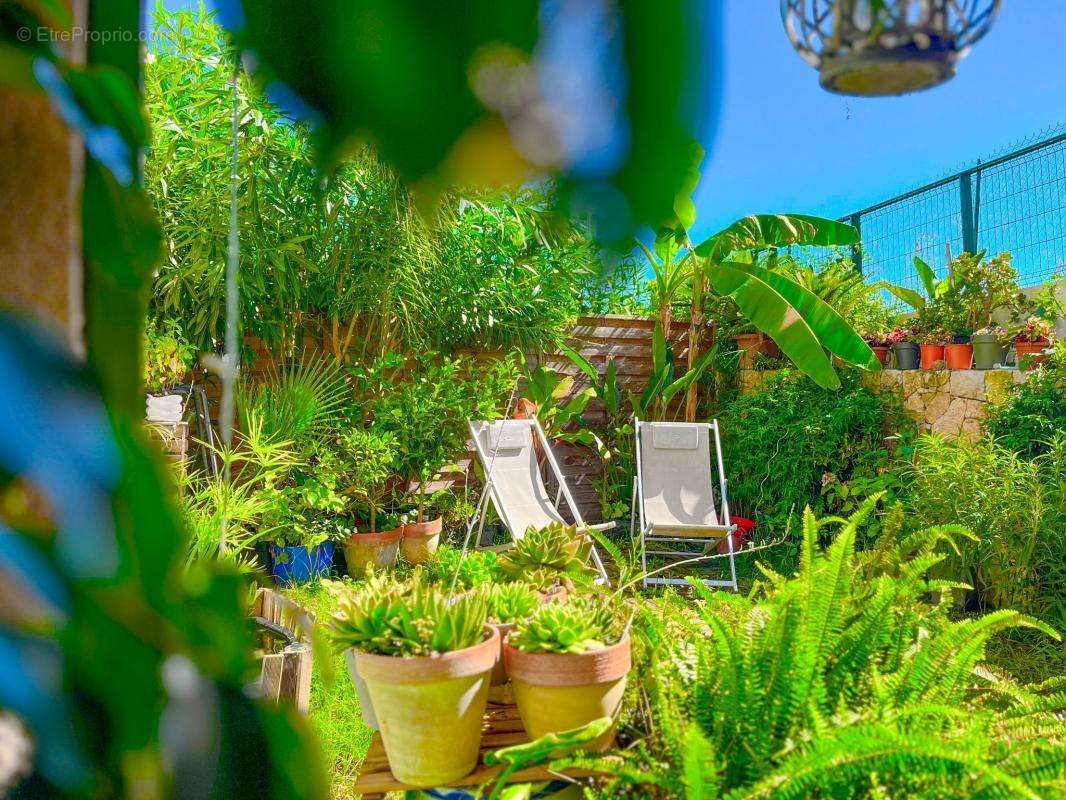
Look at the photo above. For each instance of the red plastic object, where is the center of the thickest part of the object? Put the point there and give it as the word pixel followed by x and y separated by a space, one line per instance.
pixel 740 536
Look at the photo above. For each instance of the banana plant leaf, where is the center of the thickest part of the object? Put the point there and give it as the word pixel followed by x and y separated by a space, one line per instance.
pixel 759 231
pixel 772 314
pixel 832 331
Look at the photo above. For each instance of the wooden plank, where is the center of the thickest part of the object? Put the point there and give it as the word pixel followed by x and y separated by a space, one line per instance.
pixel 502 727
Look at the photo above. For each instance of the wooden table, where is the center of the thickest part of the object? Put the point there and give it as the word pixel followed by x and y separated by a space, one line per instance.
pixel 501 727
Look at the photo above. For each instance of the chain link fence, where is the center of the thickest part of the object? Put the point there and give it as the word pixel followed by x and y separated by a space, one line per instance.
pixel 1015 202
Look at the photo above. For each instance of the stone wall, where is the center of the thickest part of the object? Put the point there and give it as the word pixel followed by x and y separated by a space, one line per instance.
pixel 951 402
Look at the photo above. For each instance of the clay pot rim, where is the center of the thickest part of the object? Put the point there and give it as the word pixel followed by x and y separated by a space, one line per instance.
pixel 377 537
pixel 474 660
pixel 423 530
pixel 569 669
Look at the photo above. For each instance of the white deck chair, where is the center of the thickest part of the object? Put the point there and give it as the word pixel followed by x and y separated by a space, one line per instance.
pixel 673 496
pixel 514 484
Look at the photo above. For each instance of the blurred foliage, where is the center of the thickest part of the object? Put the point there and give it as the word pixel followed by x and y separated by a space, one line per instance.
pixel 1035 411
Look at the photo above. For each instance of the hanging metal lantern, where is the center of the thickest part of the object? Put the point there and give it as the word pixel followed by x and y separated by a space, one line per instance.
pixel 885 47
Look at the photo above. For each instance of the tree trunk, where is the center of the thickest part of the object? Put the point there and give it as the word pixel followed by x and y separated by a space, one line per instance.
pixel 695 335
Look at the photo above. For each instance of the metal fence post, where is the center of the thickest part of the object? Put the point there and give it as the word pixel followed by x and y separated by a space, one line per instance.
pixel 856 249
pixel 969 229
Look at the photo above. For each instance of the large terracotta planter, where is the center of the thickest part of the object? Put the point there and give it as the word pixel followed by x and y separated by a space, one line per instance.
pixel 501 692
pixel 429 709
pixel 560 691
pixel 958 356
pixel 931 354
pixel 752 344
pixel 988 351
pixel 366 705
pixel 420 540
pixel 1035 351
pixel 372 549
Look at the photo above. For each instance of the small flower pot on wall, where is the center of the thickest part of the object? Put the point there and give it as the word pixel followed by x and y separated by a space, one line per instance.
pixel 931 354
pixel 1034 351
pixel 372 549
pixel 958 356
pixel 905 355
pixel 420 540
pixel 988 351
pixel 882 353
pixel 752 344
pixel 560 691
pixel 430 709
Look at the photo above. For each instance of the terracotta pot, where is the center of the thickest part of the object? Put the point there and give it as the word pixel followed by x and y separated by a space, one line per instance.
pixel 931 354
pixel 372 549
pixel 501 692
pixel 958 356
pixel 430 709
pixel 556 594
pixel 751 344
pixel 420 540
pixel 1035 351
pixel 366 706
pixel 881 351
pixel 559 691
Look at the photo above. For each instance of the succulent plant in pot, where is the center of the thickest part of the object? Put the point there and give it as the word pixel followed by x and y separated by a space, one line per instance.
pixel 1033 337
pixel 426 658
pixel 547 557
pixel 568 664
pixel 508 603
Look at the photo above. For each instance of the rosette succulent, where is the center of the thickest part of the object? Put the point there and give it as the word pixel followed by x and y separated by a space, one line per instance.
pixel 510 602
pixel 544 554
pixel 407 619
pixel 581 625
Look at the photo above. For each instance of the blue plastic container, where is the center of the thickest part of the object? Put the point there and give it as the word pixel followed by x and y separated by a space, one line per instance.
pixel 292 565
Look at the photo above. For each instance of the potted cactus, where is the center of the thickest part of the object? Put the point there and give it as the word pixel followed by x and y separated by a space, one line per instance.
pixel 426 659
pixel 508 603
pixel 568 663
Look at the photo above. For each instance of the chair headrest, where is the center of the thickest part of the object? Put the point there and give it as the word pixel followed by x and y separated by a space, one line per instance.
pixel 509 435
pixel 675 437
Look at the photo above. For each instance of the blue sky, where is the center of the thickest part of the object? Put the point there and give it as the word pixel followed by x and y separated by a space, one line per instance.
pixel 785 144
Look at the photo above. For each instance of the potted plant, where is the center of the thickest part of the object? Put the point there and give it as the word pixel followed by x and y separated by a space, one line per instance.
pixel 508 603
pixel 304 517
pixel 426 659
pixel 958 353
pixel 365 461
pixel 931 347
pixel 880 344
pixel 1032 339
pixel 168 358
pixel 568 664
pixel 548 558
pixel 753 344
pixel 904 348
pixel 990 345
pixel 428 415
